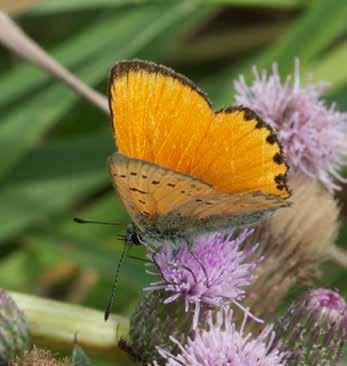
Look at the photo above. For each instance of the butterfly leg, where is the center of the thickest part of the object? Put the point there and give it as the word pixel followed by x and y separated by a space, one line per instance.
pixel 190 245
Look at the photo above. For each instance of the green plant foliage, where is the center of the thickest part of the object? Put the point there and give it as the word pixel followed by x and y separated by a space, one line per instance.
pixel 54 145
pixel 79 358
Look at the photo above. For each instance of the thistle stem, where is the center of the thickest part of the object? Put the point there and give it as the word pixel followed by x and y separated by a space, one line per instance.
pixel 12 37
pixel 55 324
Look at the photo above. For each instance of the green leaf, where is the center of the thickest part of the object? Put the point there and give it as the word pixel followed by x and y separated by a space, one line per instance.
pixel 56 6
pixel 219 45
pixel 79 358
pixel 51 178
pixel 339 97
pixel 332 67
pixel 322 22
pixel 259 3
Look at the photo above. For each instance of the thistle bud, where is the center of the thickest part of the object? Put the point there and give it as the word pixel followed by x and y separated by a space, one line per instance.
pixel 293 242
pixel 152 324
pixel 14 330
pixel 314 329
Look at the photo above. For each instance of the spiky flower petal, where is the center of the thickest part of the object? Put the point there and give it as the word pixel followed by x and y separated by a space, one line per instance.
pixel 222 344
pixel 212 271
pixel 313 135
pixel 314 329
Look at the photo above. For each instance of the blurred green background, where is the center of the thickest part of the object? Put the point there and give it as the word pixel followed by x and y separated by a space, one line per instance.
pixel 54 145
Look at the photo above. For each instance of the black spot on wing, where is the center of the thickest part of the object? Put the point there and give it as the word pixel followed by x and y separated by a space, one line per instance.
pixel 271 139
pixel 278 158
pixel 134 189
pixel 280 178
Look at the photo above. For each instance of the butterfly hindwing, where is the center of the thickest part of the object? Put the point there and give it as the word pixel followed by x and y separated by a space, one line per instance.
pixel 149 190
pixel 218 211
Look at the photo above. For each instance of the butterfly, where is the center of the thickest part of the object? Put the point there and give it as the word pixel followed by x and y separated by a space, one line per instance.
pixel 182 168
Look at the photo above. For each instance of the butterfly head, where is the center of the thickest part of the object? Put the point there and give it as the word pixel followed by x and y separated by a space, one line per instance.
pixel 132 236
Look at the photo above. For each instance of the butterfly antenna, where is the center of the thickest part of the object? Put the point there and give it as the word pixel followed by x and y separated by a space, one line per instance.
pixel 121 237
pixel 81 221
pixel 115 283
pixel 139 259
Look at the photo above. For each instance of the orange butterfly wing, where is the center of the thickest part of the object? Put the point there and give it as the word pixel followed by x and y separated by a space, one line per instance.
pixel 162 117
pixel 240 153
pixel 158 115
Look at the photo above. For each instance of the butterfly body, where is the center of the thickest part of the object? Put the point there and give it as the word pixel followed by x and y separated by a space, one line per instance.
pixel 177 231
pixel 182 168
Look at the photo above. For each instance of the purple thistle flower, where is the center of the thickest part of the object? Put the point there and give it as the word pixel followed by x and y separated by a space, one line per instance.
pixel 212 271
pixel 222 344
pixel 313 135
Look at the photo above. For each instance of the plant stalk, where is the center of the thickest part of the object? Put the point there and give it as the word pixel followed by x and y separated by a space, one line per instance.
pixel 12 37
pixel 55 324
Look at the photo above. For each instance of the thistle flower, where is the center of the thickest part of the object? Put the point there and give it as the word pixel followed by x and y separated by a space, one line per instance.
pixel 212 272
pixel 313 135
pixel 222 344
pixel 14 330
pixel 293 242
pixel 209 274
pixel 314 329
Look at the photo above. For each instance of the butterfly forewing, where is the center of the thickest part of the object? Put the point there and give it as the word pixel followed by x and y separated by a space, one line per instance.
pixel 162 117
pixel 149 190
pixel 158 115
pixel 241 154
